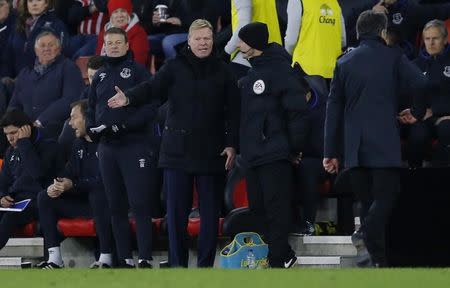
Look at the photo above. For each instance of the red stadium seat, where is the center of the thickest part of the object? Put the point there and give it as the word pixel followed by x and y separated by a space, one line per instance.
pixel 28 230
pixel 78 227
pixel 82 64
pixel 193 228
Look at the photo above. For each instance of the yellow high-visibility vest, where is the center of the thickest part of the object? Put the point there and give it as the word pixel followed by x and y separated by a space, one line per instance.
pixel 264 11
pixel 319 42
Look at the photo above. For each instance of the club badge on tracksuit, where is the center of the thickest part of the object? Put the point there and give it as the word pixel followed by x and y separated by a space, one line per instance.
pixel 126 73
pixel 259 86
pixel 447 71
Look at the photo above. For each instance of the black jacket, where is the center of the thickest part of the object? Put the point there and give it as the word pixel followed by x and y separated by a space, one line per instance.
pixel 203 111
pixel 123 73
pixel 438 71
pixel 30 167
pixel 362 107
pixel 83 168
pixel 273 101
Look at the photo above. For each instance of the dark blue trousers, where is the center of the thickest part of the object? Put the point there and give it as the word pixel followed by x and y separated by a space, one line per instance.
pixel 9 221
pixel 179 185
pixel 71 206
pixel 126 173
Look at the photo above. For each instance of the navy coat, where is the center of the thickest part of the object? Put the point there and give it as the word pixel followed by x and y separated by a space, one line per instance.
pixel 47 97
pixel 30 167
pixel 362 107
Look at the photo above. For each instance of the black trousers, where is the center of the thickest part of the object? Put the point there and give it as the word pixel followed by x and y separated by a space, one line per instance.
pixel 179 185
pixel 420 136
pixel 309 174
pixel 9 221
pixel 376 189
pixel 65 206
pixel 269 188
pixel 126 173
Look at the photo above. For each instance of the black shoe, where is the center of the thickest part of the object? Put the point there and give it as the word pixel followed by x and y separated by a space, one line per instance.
pixel 145 264
pixel 48 265
pixel 99 265
pixel 363 258
pixel 123 265
pixel 290 263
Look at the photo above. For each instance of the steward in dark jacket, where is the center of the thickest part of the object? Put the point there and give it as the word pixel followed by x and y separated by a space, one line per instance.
pixel 30 164
pixel 270 106
pixel 273 103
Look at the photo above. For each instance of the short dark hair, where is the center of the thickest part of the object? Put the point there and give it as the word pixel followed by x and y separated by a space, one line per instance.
pixel 116 30
pixel 83 104
pixel 96 62
pixel 371 23
pixel 15 117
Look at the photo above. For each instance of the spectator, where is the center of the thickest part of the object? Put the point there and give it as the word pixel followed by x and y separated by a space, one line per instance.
pixel 44 92
pixel 121 16
pixel 315 35
pixel 30 164
pixel 34 17
pixel 202 101
pixel 434 62
pixel 125 158
pixel 361 127
pixel 7 23
pixel 242 13
pixel 85 22
pixel 78 192
pixel 271 106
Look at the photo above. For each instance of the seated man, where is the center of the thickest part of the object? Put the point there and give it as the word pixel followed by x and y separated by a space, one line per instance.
pixel 30 164
pixel 44 92
pixel 433 62
pixel 78 192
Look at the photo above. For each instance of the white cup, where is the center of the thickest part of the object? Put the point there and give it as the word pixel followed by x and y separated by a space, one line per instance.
pixel 163 12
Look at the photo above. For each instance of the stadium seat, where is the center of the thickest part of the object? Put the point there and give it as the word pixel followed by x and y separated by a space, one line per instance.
pixel 28 230
pixel 193 228
pixel 82 64
pixel 156 223
pixel 235 189
pixel 78 227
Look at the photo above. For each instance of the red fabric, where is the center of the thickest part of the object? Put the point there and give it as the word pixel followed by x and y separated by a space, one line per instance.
pixel 28 230
pixel 78 227
pixel 137 38
pixel 240 194
pixel 116 4
pixel 94 23
pixel 193 228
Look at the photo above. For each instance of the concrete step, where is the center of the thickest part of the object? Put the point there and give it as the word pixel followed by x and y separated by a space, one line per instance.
pixel 10 262
pixel 325 262
pixel 24 247
pixel 322 245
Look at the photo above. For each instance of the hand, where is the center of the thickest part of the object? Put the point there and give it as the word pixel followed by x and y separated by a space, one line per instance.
pixel 52 192
pixel 156 19
pixel 62 184
pixel 380 8
pixel 115 129
pixel 118 100
pixel 331 165
pixel 174 21
pixel 24 132
pixel 296 159
pixel 231 155
pixel 406 117
pixel 6 201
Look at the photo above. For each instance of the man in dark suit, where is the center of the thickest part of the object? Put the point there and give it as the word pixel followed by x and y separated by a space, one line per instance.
pixel 361 126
